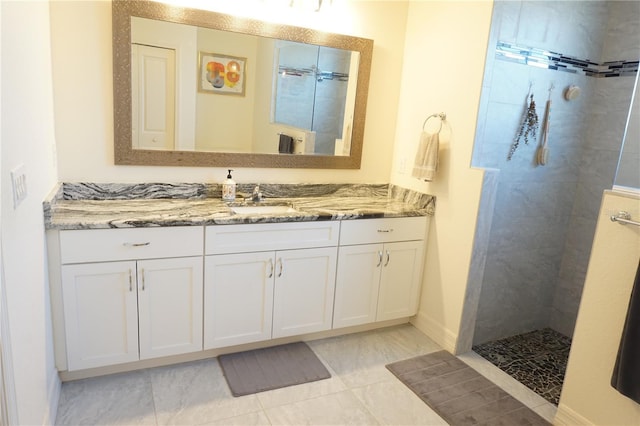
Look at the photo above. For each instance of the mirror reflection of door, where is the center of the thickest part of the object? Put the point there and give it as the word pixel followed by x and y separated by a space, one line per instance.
pixel 311 90
pixel 153 72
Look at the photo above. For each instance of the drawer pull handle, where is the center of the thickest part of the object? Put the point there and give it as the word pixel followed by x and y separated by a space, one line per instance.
pixel 388 258
pixel 270 268
pixel 136 244
pixel 379 259
pixel 281 268
pixel 385 230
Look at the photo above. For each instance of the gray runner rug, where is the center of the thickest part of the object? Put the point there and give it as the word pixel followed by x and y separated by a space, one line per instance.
pixel 459 394
pixel 271 368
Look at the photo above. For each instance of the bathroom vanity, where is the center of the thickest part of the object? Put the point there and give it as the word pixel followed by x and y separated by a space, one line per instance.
pixel 174 279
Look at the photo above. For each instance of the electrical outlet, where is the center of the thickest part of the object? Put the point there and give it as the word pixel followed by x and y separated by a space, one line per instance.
pixel 19 183
pixel 402 169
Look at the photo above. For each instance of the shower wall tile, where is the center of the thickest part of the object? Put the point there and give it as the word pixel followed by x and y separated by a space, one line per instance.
pixel 563 164
pixel 517 283
pixel 597 172
pixel 543 219
pixel 563 322
pixel 564 310
pixel 613 94
pixel 544 25
pixel 478 260
pixel 580 237
pixel 624 21
pixel 519 233
pixel 573 268
pixel 507 17
pixel 607 120
pixel 534 199
pixel 540 24
pixel 629 172
pixel 511 79
pixel 503 118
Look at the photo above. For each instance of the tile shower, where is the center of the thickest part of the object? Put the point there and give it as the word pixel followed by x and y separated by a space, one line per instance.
pixel 536 223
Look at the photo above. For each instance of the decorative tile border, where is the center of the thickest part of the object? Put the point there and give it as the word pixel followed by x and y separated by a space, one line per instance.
pixel 557 61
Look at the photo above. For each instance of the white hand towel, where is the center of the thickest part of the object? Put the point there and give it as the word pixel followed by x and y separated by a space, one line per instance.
pixel 426 163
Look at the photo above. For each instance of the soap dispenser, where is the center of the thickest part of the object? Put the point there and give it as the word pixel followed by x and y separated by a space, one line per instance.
pixel 229 188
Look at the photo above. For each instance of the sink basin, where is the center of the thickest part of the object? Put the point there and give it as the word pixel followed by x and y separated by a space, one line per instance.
pixel 258 210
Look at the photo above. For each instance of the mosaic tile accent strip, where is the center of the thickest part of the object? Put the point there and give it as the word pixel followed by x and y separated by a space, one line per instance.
pixel 537 359
pixel 557 61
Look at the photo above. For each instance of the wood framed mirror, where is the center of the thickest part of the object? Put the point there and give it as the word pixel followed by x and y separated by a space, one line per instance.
pixel 192 90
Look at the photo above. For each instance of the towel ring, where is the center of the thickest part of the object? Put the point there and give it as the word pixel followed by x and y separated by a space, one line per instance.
pixel 441 115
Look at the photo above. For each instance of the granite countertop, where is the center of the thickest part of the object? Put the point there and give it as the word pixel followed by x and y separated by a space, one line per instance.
pixel 98 206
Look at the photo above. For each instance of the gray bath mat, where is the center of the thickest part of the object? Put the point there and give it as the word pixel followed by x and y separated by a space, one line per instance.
pixel 271 368
pixel 459 394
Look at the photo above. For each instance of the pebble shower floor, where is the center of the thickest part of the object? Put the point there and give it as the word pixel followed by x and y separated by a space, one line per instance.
pixel 537 359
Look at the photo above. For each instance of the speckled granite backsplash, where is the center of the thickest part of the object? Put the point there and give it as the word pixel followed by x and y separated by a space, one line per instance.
pixel 115 205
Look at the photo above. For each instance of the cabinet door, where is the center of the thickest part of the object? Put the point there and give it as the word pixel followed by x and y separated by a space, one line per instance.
pixel 100 314
pixel 170 306
pixel 400 280
pixel 357 284
pixel 304 289
pixel 238 298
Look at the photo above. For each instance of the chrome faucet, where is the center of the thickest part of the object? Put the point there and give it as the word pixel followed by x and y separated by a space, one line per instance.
pixel 256 195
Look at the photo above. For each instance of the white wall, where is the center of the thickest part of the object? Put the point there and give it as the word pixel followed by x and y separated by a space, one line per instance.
pixel 28 138
pixel 82 64
pixel 445 49
pixel 587 396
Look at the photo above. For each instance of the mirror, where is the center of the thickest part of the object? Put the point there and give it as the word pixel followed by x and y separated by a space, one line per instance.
pixel 236 120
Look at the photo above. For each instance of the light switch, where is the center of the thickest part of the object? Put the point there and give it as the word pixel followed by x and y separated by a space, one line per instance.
pixel 19 183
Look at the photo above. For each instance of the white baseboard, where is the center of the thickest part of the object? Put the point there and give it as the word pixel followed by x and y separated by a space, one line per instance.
pixel 566 416
pixel 435 331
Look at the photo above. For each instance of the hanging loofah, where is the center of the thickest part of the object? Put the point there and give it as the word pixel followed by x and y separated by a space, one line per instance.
pixel 528 127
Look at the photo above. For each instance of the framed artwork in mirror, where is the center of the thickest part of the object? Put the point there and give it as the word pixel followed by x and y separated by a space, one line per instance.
pixel 221 74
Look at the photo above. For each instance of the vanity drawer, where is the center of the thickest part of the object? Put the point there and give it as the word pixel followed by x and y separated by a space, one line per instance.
pixel 366 231
pixel 270 236
pixel 104 245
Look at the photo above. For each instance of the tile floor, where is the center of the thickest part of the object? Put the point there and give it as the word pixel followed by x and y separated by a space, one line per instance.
pixel 360 391
pixel 537 359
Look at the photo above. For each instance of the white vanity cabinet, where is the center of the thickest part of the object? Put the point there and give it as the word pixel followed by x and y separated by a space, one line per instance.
pixel 379 270
pixel 268 280
pixel 130 294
